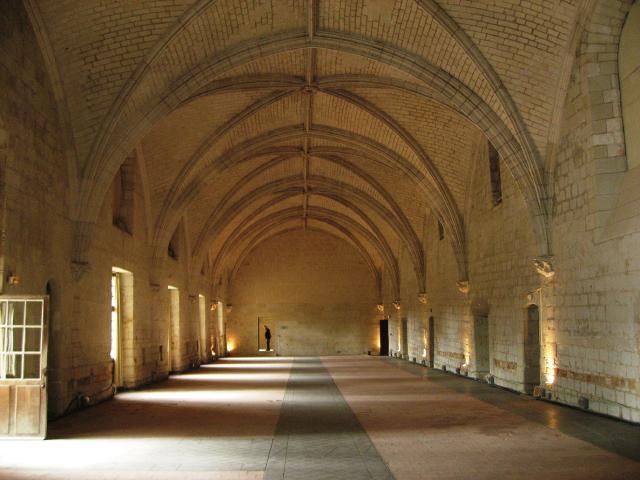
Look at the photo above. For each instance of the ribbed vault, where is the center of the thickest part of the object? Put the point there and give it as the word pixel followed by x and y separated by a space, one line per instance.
pixel 363 118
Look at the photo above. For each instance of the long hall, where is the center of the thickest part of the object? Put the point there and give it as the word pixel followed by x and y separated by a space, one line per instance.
pixel 333 239
pixel 349 417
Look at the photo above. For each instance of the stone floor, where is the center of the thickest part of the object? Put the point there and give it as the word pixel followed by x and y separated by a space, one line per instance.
pixel 330 418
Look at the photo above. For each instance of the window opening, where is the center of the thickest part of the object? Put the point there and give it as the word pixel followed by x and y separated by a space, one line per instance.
pixel 494 169
pixel 173 247
pixel 21 330
pixel 123 196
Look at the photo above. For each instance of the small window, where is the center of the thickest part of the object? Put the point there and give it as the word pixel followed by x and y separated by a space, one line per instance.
pixel 171 251
pixel 494 170
pixel 440 230
pixel 21 338
pixel 123 196
pixel 174 245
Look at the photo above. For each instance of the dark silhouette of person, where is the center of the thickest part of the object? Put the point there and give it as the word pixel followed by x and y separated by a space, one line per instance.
pixel 267 337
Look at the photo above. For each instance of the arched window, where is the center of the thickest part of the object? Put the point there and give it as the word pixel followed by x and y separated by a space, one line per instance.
pixel 494 171
pixel 123 195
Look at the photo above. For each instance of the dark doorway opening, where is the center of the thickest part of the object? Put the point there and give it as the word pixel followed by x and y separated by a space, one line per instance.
pixel 481 345
pixel 432 341
pixel 405 338
pixel 384 337
pixel 532 349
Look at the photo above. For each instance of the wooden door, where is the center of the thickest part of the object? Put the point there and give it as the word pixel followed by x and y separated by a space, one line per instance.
pixel 23 363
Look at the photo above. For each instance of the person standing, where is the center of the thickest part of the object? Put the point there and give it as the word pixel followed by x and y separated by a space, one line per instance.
pixel 267 337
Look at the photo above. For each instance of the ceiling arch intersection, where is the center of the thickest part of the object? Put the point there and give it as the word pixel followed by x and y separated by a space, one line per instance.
pixel 254 147
pixel 389 212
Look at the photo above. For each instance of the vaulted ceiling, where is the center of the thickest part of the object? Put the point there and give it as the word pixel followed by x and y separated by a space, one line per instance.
pixel 354 117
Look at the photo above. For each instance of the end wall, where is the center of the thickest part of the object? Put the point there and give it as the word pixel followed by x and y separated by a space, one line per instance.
pixel 313 290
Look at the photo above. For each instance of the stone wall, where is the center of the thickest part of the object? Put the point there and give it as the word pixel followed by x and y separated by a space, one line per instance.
pixel 35 199
pixel 158 337
pixel 36 245
pixel 589 311
pixel 593 300
pixel 313 290
pixel 501 277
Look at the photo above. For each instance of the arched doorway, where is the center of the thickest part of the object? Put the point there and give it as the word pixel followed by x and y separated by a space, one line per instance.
pixel 532 349
pixel 481 344
pixel 405 338
pixel 481 362
pixel 431 333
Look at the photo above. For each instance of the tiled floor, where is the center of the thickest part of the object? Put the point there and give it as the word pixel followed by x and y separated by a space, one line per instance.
pixel 427 424
pixel 318 436
pixel 220 418
pixel 380 419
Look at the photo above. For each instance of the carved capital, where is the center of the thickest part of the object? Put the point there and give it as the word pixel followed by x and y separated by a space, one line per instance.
pixel 396 304
pixel 380 307
pixel 463 286
pixel 423 298
pixel 544 266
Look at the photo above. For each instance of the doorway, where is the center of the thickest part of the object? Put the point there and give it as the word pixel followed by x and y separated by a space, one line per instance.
pixel 116 328
pixel 431 334
pixel 173 341
pixel 262 340
pixel 532 349
pixel 121 352
pixel 481 345
pixel 202 311
pixel 405 338
pixel 221 330
pixel 384 338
